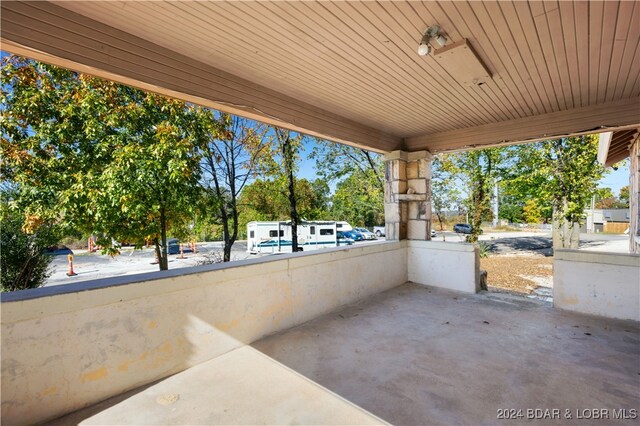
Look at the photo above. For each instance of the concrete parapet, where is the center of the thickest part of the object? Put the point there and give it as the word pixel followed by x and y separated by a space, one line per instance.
pixel 66 347
pixel 604 284
pixel 454 266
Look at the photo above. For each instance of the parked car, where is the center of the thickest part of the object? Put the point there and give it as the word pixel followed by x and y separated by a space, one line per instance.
pixel 173 246
pixel 343 240
pixel 354 235
pixel 379 231
pixel 368 235
pixel 462 228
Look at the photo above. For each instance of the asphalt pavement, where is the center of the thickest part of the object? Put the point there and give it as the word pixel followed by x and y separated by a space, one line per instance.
pixel 90 266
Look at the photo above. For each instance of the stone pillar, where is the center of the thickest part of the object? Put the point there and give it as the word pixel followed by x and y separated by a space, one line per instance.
pixel 407 195
pixel 634 197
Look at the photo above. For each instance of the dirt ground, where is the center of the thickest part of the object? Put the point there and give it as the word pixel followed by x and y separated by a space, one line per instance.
pixel 520 274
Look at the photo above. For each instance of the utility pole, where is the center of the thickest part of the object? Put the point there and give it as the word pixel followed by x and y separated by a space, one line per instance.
pixel 495 206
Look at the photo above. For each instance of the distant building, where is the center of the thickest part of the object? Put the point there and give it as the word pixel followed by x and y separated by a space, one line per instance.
pixel 607 220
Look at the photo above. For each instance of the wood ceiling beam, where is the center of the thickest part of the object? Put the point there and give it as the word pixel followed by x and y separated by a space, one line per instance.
pixel 52 34
pixel 619 115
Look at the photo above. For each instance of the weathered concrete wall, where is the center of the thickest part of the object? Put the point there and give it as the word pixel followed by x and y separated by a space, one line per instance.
pixel 454 266
pixel 604 284
pixel 61 352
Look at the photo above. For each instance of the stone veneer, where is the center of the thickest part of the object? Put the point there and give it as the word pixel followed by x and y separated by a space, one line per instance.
pixel 407 195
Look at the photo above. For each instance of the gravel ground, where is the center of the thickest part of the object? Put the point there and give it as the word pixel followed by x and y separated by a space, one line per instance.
pixel 518 273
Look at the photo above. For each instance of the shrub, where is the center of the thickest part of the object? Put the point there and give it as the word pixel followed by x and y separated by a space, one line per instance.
pixel 23 260
pixel 484 249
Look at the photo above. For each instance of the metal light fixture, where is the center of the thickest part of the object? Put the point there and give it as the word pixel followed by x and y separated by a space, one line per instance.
pixel 432 33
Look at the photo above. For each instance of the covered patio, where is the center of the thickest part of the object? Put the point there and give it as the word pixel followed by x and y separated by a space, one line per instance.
pixel 410 355
pixel 391 332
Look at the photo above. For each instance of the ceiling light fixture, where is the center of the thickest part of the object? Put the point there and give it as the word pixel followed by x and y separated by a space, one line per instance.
pixel 432 33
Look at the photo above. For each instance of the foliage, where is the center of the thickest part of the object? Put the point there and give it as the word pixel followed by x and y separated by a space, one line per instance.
pixel 229 161
pixel 563 173
pixel 484 249
pixel 623 196
pixel 532 212
pixel 478 170
pixel 511 207
pixel 287 151
pixel 445 195
pixel 336 162
pixel 267 200
pixel 23 259
pixel 605 199
pixel 359 177
pixel 358 199
pixel 97 156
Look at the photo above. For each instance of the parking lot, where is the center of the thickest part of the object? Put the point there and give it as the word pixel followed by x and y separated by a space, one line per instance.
pixel 89 266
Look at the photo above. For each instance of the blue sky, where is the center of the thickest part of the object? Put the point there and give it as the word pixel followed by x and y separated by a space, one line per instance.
pixel 616 179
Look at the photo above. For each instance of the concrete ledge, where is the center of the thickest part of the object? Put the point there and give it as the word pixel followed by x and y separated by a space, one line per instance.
pixel 65 349
pixel 603 284
pixel 453 266
pixel 411 197
pixel 608 258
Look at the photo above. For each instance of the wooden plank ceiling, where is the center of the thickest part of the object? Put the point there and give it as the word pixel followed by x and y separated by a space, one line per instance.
pixel 357 60
pixel 620 145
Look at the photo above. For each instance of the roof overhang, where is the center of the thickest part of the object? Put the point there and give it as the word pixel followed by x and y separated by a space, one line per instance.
pixel 614 147
pixel 349 71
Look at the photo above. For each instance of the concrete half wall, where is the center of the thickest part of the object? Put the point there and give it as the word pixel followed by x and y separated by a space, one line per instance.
pixel 604 284
pixel 93 340
pixel 453 266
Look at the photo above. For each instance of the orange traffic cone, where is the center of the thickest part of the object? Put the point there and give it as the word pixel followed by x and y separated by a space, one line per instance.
pixel 71 273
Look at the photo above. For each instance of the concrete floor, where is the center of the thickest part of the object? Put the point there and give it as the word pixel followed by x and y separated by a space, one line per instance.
pixel 240 387
pixel 415 355
pixel 412 355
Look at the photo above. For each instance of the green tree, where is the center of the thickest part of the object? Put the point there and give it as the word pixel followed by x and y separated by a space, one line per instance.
pixel 229 160
pixel 358 199
pixel 288 146
pixel 267 200
pixel 445 194
pixel 531 212
pixel 98 156
pixel 335 162
pixel 359 178
pixel 624 196
pixel 605 199
pixel 478 170
pixel 563 173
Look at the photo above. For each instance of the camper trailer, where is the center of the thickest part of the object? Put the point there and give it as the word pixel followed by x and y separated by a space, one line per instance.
pixel 275 237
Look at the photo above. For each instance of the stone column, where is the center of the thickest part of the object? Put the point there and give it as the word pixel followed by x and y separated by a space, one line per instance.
pixel 407 195
pixel 634 197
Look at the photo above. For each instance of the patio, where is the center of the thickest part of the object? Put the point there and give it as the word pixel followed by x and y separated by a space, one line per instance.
pixel 348 72
pixel 410 355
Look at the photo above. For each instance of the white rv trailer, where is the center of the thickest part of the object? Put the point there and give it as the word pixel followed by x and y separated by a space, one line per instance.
pixel 275 237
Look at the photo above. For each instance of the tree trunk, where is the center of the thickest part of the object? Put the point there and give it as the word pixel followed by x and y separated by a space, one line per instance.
pixel 226 256
pixel 288 160
pixel 565 234
pixel 163 258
